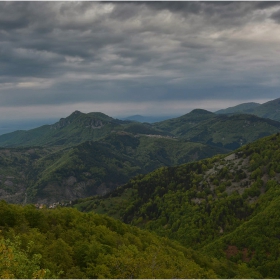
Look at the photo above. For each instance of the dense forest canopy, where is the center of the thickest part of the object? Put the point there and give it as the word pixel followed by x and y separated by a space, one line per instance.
pixel 226 206
pixel 65 243
pixel 211 218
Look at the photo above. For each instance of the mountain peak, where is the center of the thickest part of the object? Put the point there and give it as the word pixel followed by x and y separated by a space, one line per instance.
pixel 73 115
pixel 201 111
pixel 198 114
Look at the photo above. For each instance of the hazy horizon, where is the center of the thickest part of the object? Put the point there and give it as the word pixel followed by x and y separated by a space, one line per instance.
pixel 11 125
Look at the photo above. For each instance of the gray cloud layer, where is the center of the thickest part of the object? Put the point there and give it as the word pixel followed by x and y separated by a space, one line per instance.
pixel 60 53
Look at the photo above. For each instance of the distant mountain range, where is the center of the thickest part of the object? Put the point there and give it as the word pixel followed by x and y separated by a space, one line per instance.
pixel 270 109
pixel 241 108
pixel 7 126
pixel 197 126
pixel 147 119
pixel 73 130
pixel 203 190
pixel 225 131
pixel 88 154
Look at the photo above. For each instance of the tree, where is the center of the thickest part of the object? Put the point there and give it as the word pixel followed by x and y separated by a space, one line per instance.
pixel 15 263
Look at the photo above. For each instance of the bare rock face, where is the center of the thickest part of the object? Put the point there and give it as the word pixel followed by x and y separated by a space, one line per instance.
pixel 94 123
pixel 8 183
pixel 90 122
pixel 62 123
pixel 102 189
pixel 17 196
pixel 71 181
pixel 81 186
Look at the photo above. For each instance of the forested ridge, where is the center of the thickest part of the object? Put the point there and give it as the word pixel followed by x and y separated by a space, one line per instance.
pixel 65 243
pixel 87 154
pixel 226 206
pixel 73 130
pixel 268 109
pixel 211 218
pixel 227 131
pixel 50 174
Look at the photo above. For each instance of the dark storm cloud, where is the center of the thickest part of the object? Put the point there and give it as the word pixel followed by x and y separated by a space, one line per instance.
pixel 177 7
pixel 266 4
pixel 11 18
pixel 227 12
pixel 276 16
pixel 70 52
pixel 210 7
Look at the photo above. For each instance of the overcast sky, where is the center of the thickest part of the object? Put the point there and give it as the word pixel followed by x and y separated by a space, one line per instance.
pixel 126 58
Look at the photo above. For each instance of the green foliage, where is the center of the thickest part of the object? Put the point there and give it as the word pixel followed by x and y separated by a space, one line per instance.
pixel 70 244
pixel 228 131
pixel 226 206
pixel 18 263
pixel 265 110
pixel 199 125
pixel 241 108
pixel 75 129
pixel 179 126
pixel 88 154
pixel 57 174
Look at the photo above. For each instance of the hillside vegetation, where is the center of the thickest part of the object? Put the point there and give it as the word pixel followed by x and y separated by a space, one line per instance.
pixel 17 171
pixel 75 129
pixel 241 108
pixel 225 205
pixel 64 243
pixel 229 132
pixel 216 216
pixel 87 154
pixel 201 126
pixel 48 175
pixel 268 109
pixel 179 126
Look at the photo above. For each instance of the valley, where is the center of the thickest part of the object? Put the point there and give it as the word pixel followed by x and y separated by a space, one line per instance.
pixel 48 175
pixel 203 188
pixel 139 140
pixel 92 154
pixel 224 206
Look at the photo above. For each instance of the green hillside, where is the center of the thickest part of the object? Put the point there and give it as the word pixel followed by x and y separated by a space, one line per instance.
pixel 226 206
pixel 270 109
pixel 213 217
pixel 49 175
pixel 256 241
pixel 241 108
pixel 179 126
pixel 66 244
pixel 17 171
pixel 229 132
pixel 88 154
pixel 73 130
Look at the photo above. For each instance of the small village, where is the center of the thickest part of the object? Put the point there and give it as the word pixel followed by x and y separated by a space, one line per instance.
pixel 53 205
pixel 156 136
